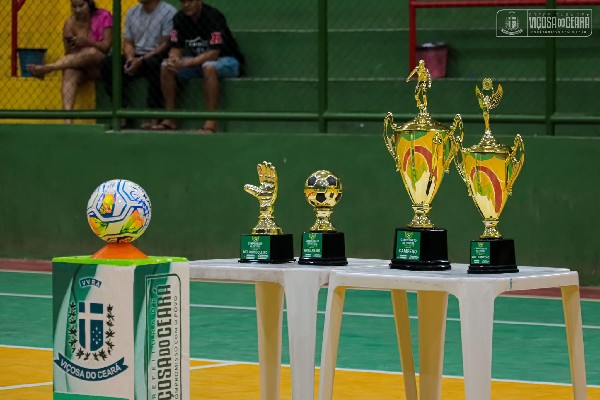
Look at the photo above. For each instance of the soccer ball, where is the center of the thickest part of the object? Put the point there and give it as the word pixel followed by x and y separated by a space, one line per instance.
pixel 119 211
pixel 323 189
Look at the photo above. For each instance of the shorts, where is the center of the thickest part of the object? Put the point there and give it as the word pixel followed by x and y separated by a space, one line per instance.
pixel 227 67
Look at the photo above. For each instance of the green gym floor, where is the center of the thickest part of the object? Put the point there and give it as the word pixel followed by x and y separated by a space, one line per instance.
pixel 530 359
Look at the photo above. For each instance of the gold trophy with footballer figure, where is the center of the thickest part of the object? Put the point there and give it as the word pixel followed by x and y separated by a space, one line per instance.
pixel 323 244
pixel 490 169
pixel 267 243
pixel 422 150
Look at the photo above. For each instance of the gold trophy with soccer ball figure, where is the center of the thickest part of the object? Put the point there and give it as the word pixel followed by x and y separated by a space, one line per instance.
pixel 490 170
pixel 323 244
pixel 267 243
pixel 422 150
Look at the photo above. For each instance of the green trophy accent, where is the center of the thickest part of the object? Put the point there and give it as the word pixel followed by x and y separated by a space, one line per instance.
pixel 480 252
pixel 312 245
pixel 408 245
pixel 255 247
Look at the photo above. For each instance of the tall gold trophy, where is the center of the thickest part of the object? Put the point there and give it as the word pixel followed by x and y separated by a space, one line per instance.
pixel 267 243
pixel 323 244
pixel 490 169
pixel 422 150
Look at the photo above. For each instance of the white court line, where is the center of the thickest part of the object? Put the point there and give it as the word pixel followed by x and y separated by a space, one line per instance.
pixel 37 296
pixel 355 314
pixel 214 306
pixel 223 363
pixel 27 385
pixel 220 364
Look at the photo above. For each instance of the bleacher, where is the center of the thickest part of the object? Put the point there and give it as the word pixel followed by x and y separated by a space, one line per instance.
pixel 368 62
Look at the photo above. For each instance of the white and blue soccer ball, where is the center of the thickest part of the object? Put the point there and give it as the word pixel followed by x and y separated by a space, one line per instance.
pixel 119 211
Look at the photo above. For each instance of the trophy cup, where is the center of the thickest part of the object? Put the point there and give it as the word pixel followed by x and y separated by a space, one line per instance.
pixel 267 243
pixel 323 244
pixel 422 150
pixel 490 169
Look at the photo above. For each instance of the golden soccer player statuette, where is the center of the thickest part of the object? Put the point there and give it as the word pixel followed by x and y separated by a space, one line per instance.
pixel 323 244
pixel 422 150
pixel 267 243
pixel 490 170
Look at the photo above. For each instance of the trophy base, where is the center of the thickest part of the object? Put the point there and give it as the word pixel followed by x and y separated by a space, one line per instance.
pixel 323 248
pixel 492 256
pixel 267 249
pixel 420 249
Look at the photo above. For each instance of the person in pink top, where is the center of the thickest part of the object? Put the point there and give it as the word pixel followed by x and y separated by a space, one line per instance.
pixel 87 38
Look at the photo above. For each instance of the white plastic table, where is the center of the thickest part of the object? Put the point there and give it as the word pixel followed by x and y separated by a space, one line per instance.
pixel 476 294
pixel 300 284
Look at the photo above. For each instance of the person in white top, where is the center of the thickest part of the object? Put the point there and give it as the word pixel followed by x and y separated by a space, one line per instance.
pixel 146 43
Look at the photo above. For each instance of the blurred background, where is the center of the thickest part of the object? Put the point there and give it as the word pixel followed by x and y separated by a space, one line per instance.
pixel 320 77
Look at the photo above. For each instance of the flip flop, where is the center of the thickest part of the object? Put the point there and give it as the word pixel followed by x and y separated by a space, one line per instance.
pixel 148 124
pixel 206 131
pixel 163 126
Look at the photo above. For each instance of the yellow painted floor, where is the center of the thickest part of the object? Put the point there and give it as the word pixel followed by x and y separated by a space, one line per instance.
pixel 222 381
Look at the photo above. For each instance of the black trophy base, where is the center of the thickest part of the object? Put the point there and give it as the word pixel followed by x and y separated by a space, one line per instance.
pixel 420 249
pixel 493 256
pixel 323 248
pixel 267 249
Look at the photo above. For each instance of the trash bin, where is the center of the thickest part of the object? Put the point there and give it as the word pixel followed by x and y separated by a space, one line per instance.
pixel 30 56
pixel 435 56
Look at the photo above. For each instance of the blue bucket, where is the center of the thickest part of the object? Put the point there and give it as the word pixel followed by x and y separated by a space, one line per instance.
pixel 30 56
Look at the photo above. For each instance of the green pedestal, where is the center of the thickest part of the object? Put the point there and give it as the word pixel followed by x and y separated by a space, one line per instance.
pixel 121 328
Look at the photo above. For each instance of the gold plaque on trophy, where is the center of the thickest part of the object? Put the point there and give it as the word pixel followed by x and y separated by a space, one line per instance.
pixel 490 170
pixel 422 150
pixel 267 243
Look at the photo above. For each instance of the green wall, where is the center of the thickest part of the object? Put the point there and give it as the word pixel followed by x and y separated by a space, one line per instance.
pixel 47 174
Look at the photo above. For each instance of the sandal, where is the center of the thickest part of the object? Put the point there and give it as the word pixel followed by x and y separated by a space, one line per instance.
pixel 164 125
pixel 148 124
pixel 209 128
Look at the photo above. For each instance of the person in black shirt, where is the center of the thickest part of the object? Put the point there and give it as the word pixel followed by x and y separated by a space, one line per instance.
pixel 202 31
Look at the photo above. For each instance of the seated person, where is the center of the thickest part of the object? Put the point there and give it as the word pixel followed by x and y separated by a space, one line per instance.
pixel 203 31
pixel 87 36
pixel 145 44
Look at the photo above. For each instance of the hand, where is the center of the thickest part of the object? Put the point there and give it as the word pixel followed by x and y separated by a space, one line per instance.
pixel 77 42
pixel 132 66
pixel 174 63
pixel 266 193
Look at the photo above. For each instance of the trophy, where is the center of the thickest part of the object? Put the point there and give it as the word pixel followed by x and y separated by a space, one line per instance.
pixel 422 150
pixel 490 169
pixel 323 244
pixel 267 243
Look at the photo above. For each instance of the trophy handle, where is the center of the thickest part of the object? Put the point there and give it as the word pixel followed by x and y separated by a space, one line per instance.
pixel 455 141
pixel 459 162
pixel 516 164
pixel 389 143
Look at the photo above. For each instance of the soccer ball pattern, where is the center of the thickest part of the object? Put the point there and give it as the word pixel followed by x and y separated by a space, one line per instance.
pixel 119 211
pixel 323 189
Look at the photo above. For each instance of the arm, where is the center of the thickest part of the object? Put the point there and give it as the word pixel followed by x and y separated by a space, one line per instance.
pixel 210 55
pixel 106 42
pixel 68 36
pixel 163 45
pixel 128 50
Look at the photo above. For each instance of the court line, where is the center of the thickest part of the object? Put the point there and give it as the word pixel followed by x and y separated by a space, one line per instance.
pixel 224 363
pixel 27 385
pixel 355 314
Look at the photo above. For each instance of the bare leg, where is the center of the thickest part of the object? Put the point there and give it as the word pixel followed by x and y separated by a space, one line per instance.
pixel 72 78
pixel 211 95
pixel 168 84
pixel 82 59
